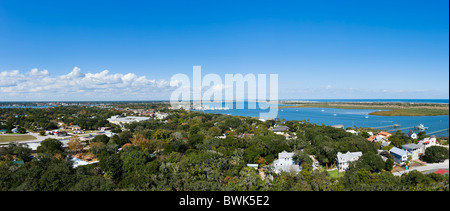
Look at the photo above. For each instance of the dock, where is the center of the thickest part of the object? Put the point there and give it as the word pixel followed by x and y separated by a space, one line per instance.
pixel 438 131
pixel 394 126
pixel 401 128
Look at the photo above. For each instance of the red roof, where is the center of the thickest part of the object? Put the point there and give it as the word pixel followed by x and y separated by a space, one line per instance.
pixel 371 138
pixel 384 133
pixel 441 171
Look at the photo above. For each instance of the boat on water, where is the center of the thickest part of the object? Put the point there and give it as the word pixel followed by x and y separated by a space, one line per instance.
pixel 366 117
pixel 421 127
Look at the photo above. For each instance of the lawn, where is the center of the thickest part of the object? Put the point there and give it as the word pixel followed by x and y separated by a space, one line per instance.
pixel 335 173
pixel 9 138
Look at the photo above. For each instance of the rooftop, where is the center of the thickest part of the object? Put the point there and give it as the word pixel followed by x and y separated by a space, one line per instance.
pixel 397 151
pixel 410 147
pixel 348 156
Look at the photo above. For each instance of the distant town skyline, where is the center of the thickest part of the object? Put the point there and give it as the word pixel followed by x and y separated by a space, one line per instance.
pixel 103 50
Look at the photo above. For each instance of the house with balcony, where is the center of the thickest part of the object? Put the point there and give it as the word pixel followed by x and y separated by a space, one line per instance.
pixel 343 160
pixel 400 155
pixel 285 163
pixel 414 150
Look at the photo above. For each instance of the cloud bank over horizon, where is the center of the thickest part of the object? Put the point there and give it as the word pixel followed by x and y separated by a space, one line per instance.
pixel 40 85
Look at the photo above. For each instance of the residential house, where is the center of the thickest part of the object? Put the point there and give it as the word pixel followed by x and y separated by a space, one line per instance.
pixel 74 127
pixel 343 160
pixel 285 163
pixel 104 128
pixel 400 156
pixel 352 132
pixel 379 138
pixel 279 129
pixel 385 134
pixel 427 142
pixel 412 135
pixel 371 138
pixel 385 144
pixel 414 150
pixel 338 126
pixel 160 115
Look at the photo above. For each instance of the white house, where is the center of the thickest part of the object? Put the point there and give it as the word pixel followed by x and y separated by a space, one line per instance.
pixel 285 163
pixel 414 150
pixel 160 115
pixel 343 160
pixel 428 142
pixel 379 138
pixel 412 135
pixel 352 132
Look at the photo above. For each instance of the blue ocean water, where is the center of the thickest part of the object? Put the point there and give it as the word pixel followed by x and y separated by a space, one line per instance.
pixel 352 117
pixel 375 100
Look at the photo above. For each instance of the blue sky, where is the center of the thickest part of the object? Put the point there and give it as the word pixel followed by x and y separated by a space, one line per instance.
pixel 57 50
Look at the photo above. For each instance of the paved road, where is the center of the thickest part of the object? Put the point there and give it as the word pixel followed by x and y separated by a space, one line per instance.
pixel 428 167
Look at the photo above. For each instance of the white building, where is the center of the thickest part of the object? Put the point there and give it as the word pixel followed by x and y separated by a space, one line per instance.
pixel 343 160
pixel 414 150
pixel 412 135
pixel 125 120
pixel 285 163
pixel 352 132
pixel 160 115
pixel 428 142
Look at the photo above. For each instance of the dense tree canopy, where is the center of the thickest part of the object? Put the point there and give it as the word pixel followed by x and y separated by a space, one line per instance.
pixel 186 154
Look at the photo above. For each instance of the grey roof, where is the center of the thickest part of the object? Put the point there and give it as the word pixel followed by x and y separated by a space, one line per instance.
pixel 285 154
pixel 288 168
pixel 280 128
pixel 385 144
pixel 410 133
pixel 411 147
pixel 337 126
pixel 348 156
pixel 397 151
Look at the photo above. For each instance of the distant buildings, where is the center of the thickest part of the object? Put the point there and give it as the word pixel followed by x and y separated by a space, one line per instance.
pixel 352 132
pixel 280 129
pixel 343 160
pixel 338 126
pixel 126 120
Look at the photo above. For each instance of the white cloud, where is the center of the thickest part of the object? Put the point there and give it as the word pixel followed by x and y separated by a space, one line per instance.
pixel 36 72
pixel 76 85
